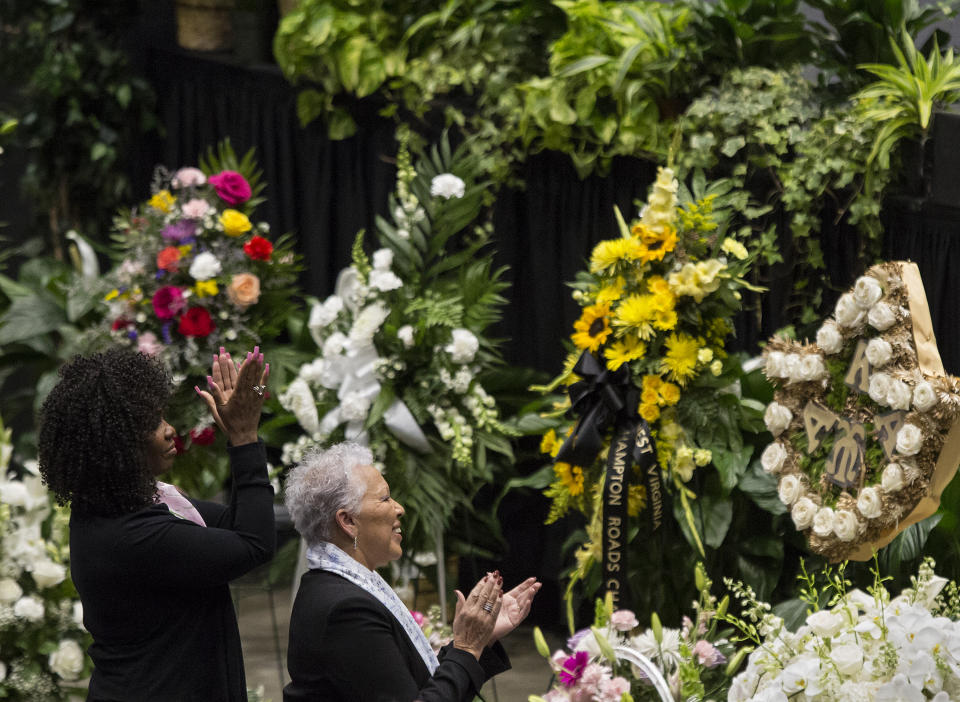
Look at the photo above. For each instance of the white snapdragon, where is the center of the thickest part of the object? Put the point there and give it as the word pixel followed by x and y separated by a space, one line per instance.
pixel 382 259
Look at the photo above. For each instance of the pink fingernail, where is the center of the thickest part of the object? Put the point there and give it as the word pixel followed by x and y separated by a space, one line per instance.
pixel 249 355
pixel 222 350
pixel 256 349
pixel 197 389
pixel 215 359
pixel 209 381
pixel 267 368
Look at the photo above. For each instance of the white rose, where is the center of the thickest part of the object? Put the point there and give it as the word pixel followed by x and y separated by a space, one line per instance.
pixel 382 259
pixel 777 418
pixel 825 623
pixel 924 396
pixel 879 352
pixel 789 489
pixel 847 312
pixel 773 457
pixel 463 347
pixel 891 479
pixel 870 503
pixel 823 522
pixel 881 316
pixel 10 591
pixel 205 266
pixel 867 292
pixel 67 660
pixel 803 512
pixel 447 185
pixel 811 367
pixel 405 334
pixel 384 281
pixel 829 338
pixel 845 525
pixel 78 613
pixel 909 440
pixel 791 367
pixel 848 658
pixel 46 574
pixel 899 395
pixel 29 608
pixel 774 364
pixel 879 387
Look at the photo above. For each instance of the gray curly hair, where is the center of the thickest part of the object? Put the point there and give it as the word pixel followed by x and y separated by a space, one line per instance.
pixel 325 481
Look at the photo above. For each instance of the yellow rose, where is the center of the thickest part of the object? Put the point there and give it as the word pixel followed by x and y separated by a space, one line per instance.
pixel 670 393
pixel 650 412
pixel 235 223
pixel 244 290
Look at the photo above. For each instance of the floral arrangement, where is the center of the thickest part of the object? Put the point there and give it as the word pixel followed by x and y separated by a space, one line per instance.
pixel 866 646
pixel 437 631
pixel 196 274
pixel 860 417
pixel 659 301
pixel 42 639
pixel 402 351
pixel 696 661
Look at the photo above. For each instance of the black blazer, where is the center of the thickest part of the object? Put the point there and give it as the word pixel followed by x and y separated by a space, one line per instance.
pixel 345 646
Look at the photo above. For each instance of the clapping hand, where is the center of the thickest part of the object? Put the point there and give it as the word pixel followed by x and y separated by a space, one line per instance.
pixel 515 607
pixel 236 394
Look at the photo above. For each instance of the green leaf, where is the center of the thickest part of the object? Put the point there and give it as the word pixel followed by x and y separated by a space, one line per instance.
pixel 761 487
pixel 731 464
pixel 310 105
pixel 30 316
pixel 341 124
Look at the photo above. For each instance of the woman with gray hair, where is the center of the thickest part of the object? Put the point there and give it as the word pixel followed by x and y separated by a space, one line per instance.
pixel 351 637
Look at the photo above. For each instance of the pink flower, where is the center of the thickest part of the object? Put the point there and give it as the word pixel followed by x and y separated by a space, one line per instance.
pixel 148 344
pixel 623 620
pixel 556 695
pixel 593 675
pixel 188 177
pixel 418 617
pixel 612 690
pixel 232 187
pixel 707 654
pixel 573 668
pixel 195 208
pixel 168 301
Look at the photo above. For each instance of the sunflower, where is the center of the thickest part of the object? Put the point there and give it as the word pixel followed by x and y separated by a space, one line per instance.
pixel 680 360
pixel 654 246
pixel 607 253
pixel 593 327
pixel 624 351
pixel 570 476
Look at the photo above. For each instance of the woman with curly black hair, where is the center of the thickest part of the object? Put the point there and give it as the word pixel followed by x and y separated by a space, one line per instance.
pixel 153 569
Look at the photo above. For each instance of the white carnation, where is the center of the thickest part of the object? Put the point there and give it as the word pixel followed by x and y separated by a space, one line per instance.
pixel 829 338
pixel 29 608
pixel 867 292
pixel 384 281
pixel 774 364
pixel 46 573
pixel 447 185
pixel 924 396
pixel 891 479
pixel 846 525
pixel 790 489
pixel 463 346
pixel 10 591
pixel 773 457
pixel 870 503
pixel 879 352
pixel 405 334
pixel 67 660
pixel 881 316
pixel 823 522
pixel 879 387
pixel 777 417
pixel 367 323
pixel 205 266
pixel 899 395
pixel 382 259
pixel 803 512
pixel 847 312
pixel 909 440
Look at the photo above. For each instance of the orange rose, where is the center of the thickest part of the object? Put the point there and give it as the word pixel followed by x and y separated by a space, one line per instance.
pixel 168 258
pixel 244 290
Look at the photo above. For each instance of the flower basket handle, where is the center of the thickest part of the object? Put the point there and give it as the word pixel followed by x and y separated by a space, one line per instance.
pixel 625 653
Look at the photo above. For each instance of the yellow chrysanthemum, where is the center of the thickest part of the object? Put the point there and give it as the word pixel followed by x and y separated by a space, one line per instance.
pixel 665 320
pixel 650 412
pixel 670 393
pixel 636 499
pixel 680 359
pixel 235 223
pixel 162 201
pixel 637 312
pixel 608 253
pixel 613 291
pixel 206 288
pixel 570 476
pixel 550 444
pixel 593 327
pixel 624 351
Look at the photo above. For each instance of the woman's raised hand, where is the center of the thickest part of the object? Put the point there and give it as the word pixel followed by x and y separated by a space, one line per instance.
pixel 515 608
pixel 236 394
pixel 476 615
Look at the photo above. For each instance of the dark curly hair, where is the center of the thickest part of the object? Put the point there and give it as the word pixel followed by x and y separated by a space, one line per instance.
pixel 94 427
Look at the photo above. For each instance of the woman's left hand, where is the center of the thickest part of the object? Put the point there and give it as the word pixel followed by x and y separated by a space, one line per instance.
pixel 515 607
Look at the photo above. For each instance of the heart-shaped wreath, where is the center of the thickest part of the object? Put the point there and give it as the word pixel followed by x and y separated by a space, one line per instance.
pixel 864 420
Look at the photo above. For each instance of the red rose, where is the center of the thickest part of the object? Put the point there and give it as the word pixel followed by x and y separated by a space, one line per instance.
pixel 196 322
pixel 204 437
pixel 258 248
pixel 167 302
pixel 232 187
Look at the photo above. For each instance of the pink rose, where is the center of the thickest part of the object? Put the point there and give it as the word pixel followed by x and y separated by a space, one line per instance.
pixel 148 344
pixel 188 177
pixel 232 187
pixel 623 620
pixel 168 301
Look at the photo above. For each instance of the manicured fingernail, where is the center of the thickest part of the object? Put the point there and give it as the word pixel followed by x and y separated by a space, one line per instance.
pixel 197 389
pixel 222 350
pixel 249 355
pixel 267 368
pixel 215 359
pixel 209 381
pixel 256 349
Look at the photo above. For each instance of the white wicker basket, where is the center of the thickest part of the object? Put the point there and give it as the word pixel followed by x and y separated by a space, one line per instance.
pixel 631 655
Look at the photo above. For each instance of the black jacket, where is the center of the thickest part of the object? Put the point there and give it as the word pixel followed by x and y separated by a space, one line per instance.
pixel 345 646
pixel 156 597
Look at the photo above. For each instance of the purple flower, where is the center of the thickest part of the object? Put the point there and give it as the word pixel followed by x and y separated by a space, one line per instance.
pixel 165 333
pixel 574 640
pixel 573 668
pixel 179 231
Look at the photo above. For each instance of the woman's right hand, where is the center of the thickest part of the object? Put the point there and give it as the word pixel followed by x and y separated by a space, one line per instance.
pixel 472 624
pixel 233 400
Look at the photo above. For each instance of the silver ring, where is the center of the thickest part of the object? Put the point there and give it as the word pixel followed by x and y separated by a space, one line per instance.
pixel 487 607
pixel 259 389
